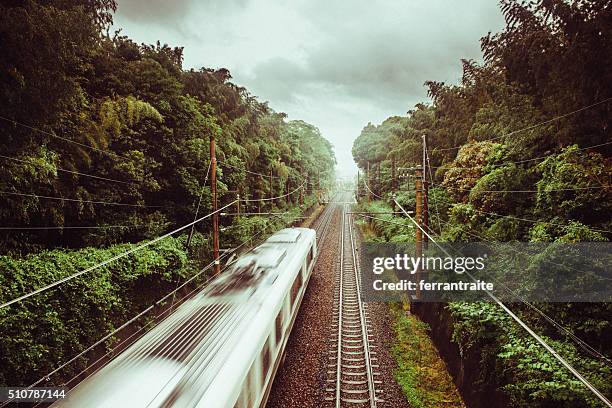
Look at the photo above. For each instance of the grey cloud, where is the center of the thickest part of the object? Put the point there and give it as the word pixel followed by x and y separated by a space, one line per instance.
pixel 370 68
pixel 169 12
pixel 380 51
pixel 340 65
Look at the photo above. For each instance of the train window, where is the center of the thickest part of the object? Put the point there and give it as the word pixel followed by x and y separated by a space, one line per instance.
pixel 296 288
pixel 265 361
pixel 310 257
pixel 252 388
pixel 279 326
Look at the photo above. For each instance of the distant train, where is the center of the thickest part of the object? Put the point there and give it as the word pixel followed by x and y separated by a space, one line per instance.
pixel 221 348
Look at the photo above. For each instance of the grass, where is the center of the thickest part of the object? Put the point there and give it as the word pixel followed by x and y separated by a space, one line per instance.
pixel 421 372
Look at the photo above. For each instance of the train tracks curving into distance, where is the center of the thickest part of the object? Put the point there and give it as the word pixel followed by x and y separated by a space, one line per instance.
pixel 352 363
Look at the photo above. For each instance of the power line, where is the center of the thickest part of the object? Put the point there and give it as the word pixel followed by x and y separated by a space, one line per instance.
pixel 584 345
pixel 431 181
pixel 519 161
pixel 382 220
pixel 106 262
pixel 59 137
pixel 368 187
pixel 73 227
pixel 77 200
pixel 224 163
pixel 536 221
pixel 144 312
pixel 526 191
pixel 275 198
pixel 539 339
pixel 532 126
pixel 70 171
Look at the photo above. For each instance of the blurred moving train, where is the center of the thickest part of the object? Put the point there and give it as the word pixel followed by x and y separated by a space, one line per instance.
pixel 222 347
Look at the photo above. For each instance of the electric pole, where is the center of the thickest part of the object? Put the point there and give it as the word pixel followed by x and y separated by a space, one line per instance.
pixel 393 182
pixel 318 186
pixel 419 219
pixel 215 217
pixel 367 181
pixel 271 191
pixel 425 192
pixel 238 203
pixel 379 186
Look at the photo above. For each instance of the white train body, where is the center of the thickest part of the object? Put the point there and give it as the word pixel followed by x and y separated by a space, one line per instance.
pixel 222 347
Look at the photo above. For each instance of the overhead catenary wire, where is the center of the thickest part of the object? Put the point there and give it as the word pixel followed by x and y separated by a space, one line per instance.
pixel 156 322
pixel 77 200
pixel 135 318
pixel 532 126
pixel 517 161
pixel 73 227
pixel 109 153
pixel 534 221
pixel 584 345
pixel 431 182
pixel 368 187
pixel 600 187
pixel 114 258
pixel 533 334
pixel 71 171
pixel 587 347
pixel 382 220
pixel 275 198
pixel 224 163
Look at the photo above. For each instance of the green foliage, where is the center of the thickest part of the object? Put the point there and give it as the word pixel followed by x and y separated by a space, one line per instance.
pixel 142 125
pixel 122 132
pixel 81 311
pixel 510 173
pixel 536 378
pixel 420 371
pixel 387 226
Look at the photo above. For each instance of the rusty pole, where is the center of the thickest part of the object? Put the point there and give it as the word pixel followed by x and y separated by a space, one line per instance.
pixel 367 182
pixel 419 234
pixel 215 217
pixel 425 193
pixel 238 203
pixel 393 182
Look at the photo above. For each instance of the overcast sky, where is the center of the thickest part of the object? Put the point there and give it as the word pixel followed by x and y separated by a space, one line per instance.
pixel 336 64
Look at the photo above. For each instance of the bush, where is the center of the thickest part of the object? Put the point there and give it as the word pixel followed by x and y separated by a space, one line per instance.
pixel 48 329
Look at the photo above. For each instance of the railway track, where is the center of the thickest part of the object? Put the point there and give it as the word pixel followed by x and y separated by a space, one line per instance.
pixel 352 364
pixel 323 222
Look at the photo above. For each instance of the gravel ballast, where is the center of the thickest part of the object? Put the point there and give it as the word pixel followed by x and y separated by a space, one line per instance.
pixel 301 379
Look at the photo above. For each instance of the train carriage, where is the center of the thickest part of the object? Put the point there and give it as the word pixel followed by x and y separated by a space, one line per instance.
pixel 220 348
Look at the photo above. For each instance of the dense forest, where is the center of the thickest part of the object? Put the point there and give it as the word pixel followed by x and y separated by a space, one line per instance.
pixel 519 150
pixel 104 144
pixel 100 131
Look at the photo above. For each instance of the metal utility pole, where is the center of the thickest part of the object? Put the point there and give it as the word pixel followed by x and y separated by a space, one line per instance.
pixel 419 219
pixel 238 203
pixel 302 190
pixel 262 195
pixel 378 180
pixel 318 186
pixel 367 181
pixel 425 192
pixel 215 217
pixel 393 182
pixel 271 190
